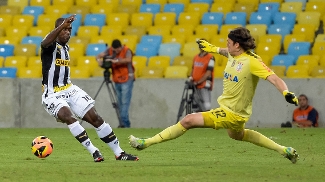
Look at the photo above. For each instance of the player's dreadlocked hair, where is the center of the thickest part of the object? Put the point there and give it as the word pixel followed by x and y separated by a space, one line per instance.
pixel 243 37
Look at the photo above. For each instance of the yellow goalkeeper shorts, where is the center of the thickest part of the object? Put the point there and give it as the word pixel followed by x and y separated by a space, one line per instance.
pixel 221 118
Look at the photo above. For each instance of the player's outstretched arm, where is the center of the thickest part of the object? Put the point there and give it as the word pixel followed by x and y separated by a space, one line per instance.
pixel 207 47
pixel 283 88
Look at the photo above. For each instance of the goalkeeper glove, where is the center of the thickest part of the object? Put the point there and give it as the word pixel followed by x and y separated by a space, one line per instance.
pixel 290 97
pixel 207 47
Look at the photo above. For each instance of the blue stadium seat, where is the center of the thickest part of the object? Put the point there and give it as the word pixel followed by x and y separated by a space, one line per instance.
pixel 154 40
pixel 95 49
pixel 299 48
pixel 33 10
pixel 169 49
pixel 261 18
pixel 147 50
pixel 174 8
pixel 8 72
pixel 202 1
pixel 269 7
pixel 280 29
pixel 32 40
pixel 75 24
pixel 236 18
pixel 150 8
pixel 95 20
pixel 283 60
pixel 6 50
pixel 212 18
pixel 285 18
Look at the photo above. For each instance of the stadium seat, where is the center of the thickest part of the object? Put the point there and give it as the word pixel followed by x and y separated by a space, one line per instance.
pixel 76 50
pixel 142 19
pixel 257 30
pixel 14 31
pixel 99 9
pixel 266 59
pixel 79 40
pixel 311 18
pixel 88 31
pixel 129 9
pixel 244 7
pixel 202 1
pixel 271 1
pixel 226 28
pixel 46 20
pixel 6 50
pixel 180 39
pixel 95 20
pixel 252 2
pixel 297 71
pixel 118 19
pixel 102 39
pixel 281 29
pixel 29 72
pixel 211 18
pixel 154 40
pixel 195 37
pixel 298 48
pixel 169 49
pixel 318 72
pixel 318 48
pixel 2 60
pixel 218 71
pixel 150 8
pixel 261 18
pixel 9 40
pixel 190 49
pixel 163 30
pixel 269 7
pixel 77 72
pixel 34 61
pixel 35 11
pixel 236 18
pixel 185 30
pixel 285 18
pixel 36 40
pixel 148 72
pixel 136 3
pixel 20 3
pixel 198 7
pixel 206 29
pixel 223 8
pixel 310 60
pixel 185 2
pixel 15 61
pixel 165 18
pixel 176 72
pixel 267 48
pixel 86 2
pixel 112 31
pixel 95 49
pixel 219 40
pixel 5 20
pixel 307 29
pixel 320 38
pixel 146 50
pixel 25 50
pixel 10 10
pixel 139 62
pixel 278 70
pixel 82 10
pixel 316 7
pixel 301 1
pixel 87 61
pixel 129 40
pixel 159 62
pixel 8 72
pixel 111 3
pixel 39 31
pixel 136 30
pixel 176 8
pixel 283 60
pixel 189 18
pixel 162 3
pixel 291 7
pixel 43 3
pixel 184 61
pixel 292 38
pixel 57 10
pixel 270 39
pixel 67 3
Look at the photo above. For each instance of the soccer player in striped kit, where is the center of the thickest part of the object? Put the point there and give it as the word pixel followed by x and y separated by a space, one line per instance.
pixel 65 101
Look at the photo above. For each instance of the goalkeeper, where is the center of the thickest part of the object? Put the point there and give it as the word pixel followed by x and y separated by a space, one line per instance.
pixel 241 75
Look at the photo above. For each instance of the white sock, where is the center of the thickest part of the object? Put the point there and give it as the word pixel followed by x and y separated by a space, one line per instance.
pixel 103 132
pixel 76 129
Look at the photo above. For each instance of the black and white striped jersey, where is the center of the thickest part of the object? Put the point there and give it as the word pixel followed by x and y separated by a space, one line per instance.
pixel 55 66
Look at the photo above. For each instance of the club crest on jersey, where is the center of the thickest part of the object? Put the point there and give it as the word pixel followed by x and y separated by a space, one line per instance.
pixel 239 67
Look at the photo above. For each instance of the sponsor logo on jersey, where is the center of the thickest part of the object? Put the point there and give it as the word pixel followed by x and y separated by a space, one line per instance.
pixel 230 77
pixel 61 62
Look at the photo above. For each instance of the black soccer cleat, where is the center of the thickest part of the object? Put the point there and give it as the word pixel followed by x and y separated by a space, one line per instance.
pixel 98 156
pixel 127 157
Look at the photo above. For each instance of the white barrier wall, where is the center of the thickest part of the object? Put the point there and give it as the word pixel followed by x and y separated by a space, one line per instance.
pixel 154 104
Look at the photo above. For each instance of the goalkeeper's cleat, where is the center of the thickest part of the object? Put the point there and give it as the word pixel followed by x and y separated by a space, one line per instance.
pixel 291 154
pixel 127 157
pixel 137 143
pixel 98 156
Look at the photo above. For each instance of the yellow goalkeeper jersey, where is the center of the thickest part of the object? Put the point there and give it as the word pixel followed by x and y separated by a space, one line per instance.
pixel 241 76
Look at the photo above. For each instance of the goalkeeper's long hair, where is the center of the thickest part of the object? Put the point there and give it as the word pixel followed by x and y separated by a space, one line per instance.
pixel 243 37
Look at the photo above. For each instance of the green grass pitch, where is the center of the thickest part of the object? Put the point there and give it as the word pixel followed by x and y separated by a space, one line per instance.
pixel 198 155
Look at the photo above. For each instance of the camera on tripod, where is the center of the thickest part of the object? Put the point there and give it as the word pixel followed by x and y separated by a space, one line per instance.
pixel 107 64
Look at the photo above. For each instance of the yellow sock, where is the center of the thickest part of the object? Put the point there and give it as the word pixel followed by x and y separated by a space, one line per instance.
pixel 169 133
pixel 261 140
